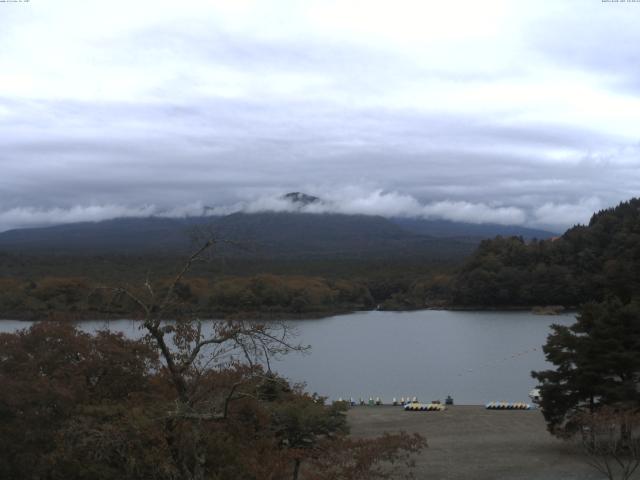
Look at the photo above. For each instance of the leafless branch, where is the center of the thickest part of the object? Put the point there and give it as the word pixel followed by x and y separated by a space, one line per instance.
pixel 611 440
pixel 169 295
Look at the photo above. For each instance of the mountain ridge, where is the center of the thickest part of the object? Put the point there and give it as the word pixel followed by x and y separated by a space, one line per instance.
pixel 279 234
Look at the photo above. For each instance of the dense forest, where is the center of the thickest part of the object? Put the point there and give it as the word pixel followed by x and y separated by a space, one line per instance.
pixel 586 263
pixel 216 296
pixel 75 298
pixel 263 265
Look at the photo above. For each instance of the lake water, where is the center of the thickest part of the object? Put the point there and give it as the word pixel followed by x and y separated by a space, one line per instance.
pixel 475 357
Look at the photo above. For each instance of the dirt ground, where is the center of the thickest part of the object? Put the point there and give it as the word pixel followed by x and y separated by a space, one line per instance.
pixel 470 442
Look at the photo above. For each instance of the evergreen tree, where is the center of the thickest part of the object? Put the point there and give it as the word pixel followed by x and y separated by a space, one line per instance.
pixel 586 263
pixel 597 362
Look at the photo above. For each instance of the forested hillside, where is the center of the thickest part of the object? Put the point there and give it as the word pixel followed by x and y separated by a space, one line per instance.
pixel 290 235
pixel 281 235
pixel 586 263
pixel 318 265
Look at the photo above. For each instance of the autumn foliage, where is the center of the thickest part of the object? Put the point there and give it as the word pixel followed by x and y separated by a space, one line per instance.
pixel 64 298
pixel 81 406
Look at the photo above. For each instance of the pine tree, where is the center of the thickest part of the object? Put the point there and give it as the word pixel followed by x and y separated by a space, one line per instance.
pixel 597 362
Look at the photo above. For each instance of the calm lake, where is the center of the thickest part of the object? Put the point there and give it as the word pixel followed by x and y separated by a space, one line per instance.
pixel 475 357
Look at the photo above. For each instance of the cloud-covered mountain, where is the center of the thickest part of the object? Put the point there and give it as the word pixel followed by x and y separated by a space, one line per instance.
pixel 488 111
pixel 296 225
pixel 349 201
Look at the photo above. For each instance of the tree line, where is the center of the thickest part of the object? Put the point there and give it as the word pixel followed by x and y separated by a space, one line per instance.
pixel 587 263
pixel 260 295
pixel 263 295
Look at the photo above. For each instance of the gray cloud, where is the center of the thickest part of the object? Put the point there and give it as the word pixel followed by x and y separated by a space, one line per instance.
pixel 598 38
pixel 530 127
pixel 222 152
pixel 358 200
pixel 347 200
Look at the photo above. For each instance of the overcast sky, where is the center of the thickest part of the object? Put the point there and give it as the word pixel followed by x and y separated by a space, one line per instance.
pixel 515 111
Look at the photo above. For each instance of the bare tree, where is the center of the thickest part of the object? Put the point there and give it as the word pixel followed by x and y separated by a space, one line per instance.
pixel 190 347
pixel 610 437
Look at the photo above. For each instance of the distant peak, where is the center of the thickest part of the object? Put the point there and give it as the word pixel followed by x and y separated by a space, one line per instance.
pixel 301 199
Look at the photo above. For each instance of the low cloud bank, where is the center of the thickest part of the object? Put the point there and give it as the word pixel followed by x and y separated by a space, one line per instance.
pixel 25 217
pixel 560 214
pixel 352 200
pixel 391 204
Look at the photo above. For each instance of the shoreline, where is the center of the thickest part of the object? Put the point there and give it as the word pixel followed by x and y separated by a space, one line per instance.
pixel 274 316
